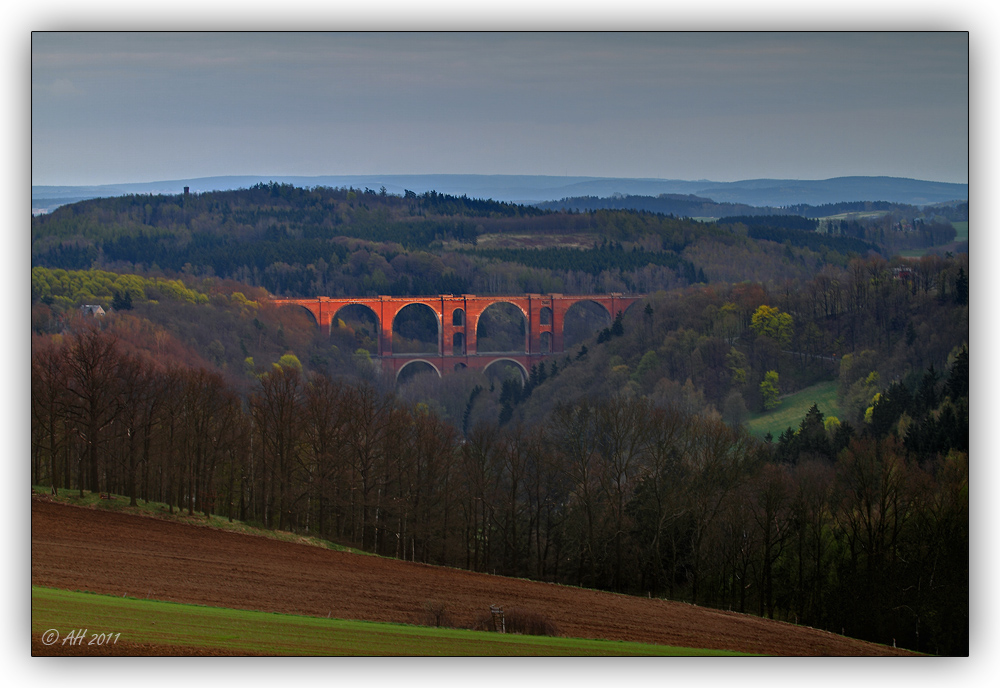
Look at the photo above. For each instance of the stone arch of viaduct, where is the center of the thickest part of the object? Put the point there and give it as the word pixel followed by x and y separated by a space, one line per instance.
pixel 458 317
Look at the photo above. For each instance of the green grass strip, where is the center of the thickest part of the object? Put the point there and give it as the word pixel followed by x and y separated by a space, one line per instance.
pixel 167 623
pixel 914 253
pixel 793 408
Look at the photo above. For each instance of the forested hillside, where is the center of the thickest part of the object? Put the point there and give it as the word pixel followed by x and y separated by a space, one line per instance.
pixel 304 242
pixel 622 463
pixel 681 205
pixel 690 205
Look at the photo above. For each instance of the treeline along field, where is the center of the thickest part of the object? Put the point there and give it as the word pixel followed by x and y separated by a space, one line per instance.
pixel 867 534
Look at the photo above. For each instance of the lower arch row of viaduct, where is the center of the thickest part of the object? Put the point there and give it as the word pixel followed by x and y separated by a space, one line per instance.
pixel 544 316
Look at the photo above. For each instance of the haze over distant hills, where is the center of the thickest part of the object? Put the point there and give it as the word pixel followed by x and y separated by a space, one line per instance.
pixel 530 189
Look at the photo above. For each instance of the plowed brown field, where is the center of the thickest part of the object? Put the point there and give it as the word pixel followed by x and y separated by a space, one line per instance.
pixel 87 549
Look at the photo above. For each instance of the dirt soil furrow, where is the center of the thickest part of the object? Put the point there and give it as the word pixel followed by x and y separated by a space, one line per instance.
pixel 88 549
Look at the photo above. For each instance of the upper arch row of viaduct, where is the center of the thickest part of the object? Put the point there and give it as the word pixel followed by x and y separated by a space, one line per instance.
pixel 459 315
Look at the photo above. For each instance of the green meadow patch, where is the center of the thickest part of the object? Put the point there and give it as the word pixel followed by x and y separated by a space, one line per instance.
pixel 578 240
pixel 961 234
pixel 154 623
pixel 792 409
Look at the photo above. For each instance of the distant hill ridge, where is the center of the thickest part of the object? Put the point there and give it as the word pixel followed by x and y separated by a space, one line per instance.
pixel 542 189
pixel 698 207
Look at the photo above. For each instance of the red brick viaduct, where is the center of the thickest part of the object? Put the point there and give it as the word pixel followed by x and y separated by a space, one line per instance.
pixel 457 317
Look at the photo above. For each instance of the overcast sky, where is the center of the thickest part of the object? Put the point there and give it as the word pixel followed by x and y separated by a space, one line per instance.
pixel 124 107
